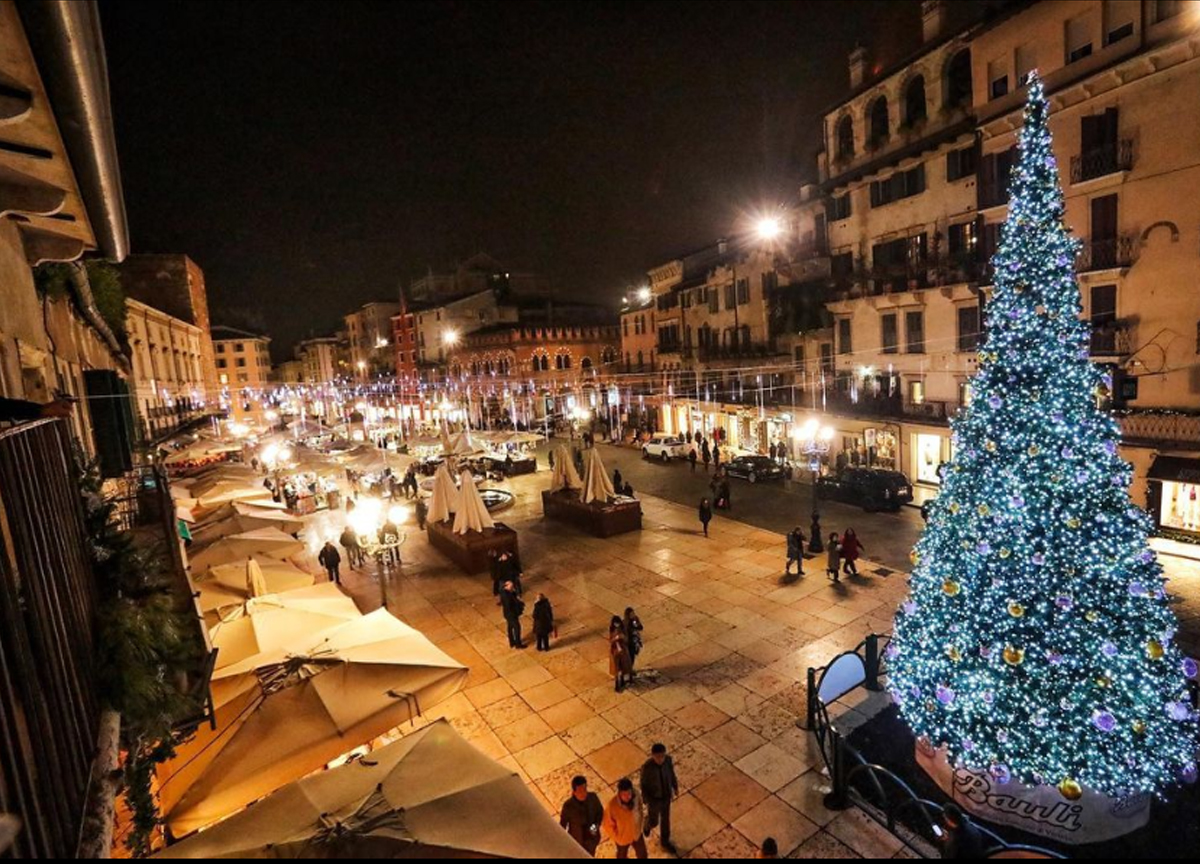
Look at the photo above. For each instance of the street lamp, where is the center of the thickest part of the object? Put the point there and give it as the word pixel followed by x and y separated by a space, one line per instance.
pixel 813 440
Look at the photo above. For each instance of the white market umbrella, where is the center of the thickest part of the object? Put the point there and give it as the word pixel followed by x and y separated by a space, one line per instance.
pixel 596 485
pixel 430 794
pixel 446 497
pixel 564 475
pixel 250 518
pixel 285 714
pixel 464 446
pixel 228 491
pixel 233 584
pixel 272 622
pixel 472 514
pixel 447 446
pixel 267 542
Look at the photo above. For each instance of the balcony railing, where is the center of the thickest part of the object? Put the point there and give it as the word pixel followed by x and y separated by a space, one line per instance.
pixel 733 352
pixel 1102 161
pixel 1160 428
pixel 1106 254
pixel 1110 338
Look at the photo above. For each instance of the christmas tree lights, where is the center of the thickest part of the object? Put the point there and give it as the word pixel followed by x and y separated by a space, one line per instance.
pixel 1036 642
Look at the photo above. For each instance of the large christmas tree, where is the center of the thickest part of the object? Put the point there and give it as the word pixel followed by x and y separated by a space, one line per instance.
pixel 1037 643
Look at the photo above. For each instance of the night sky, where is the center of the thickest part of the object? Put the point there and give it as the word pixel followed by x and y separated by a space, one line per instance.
pixel 314 156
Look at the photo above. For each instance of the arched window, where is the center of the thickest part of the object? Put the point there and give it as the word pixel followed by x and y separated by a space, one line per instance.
pixel 586 363
pixel 845 138
pixel 641 361
pixel 914 101
pixel 545 362
pixel 878 122
pixel 958 79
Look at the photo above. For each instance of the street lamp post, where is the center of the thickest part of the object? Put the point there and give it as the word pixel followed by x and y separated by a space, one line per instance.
pixel 814 440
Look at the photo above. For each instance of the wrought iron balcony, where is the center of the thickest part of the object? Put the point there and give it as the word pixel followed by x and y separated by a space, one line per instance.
pixel 1106 254
pixel 1102 161
pixel 1110 338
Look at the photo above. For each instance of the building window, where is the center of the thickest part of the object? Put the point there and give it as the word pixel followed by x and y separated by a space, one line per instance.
pixel 964 393
pixel 743 290
pixel 958 80
pixel 891 335
pixel 826 356
pixel 240 347
pixel 902 184
pixel 626 323
pixel 961 163
pixel 845 138
pixel 998 78
pixel 914 101
pixel 1079 38
pixel 968 328
pixel 916 392
pixel 1165 9
pixel 914 331
pixel 1026 63
pixel 799 354
pixel 730 297
pixel 1104 319
pixel 844 344
pixel 878 122
pixel 714 301
pixel 839 207
pixel 241 362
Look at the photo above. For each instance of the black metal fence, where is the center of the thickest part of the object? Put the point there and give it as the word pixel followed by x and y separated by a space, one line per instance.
pixel 49 707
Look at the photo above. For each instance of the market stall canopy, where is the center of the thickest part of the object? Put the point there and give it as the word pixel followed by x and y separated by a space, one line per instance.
pixel 267 542
pixel 424 441
pixel 464 446
pixel 372 460
pixel 201 450
pixel 430 794
pixel 471 515
pixel 233 584
pixel 282 715
pixel 596 485
pixel 564 475
pixel 446 496
pixel 272 622
pixel 251 518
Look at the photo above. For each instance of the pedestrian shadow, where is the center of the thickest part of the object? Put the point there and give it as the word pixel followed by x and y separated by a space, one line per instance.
pixel 790 578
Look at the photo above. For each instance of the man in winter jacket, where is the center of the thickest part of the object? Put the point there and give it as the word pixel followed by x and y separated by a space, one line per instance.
pixel 513 607
pixel 659 787
pixel 582 815
pixel 331 560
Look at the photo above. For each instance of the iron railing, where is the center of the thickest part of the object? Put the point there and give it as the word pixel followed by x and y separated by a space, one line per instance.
pixel 49 704
pixel 1106 254
pixel 1102 161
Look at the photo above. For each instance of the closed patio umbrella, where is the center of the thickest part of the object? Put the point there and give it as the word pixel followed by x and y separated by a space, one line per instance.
pixel 267 542
pixel 564 475
pixel 283 714
pixel 472 514
pixel 430 794
pixel 446 496
pixel 596 485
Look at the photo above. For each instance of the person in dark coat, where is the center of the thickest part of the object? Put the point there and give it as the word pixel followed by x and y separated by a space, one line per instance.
pixel 511 570
pixel 331 560
pixel 705 514
pixel 633 637
pixel 692 458
pixel 617 484
pixel 349 541
pixel 962 839
pixel 850 551
pixel 660 787
pixel 716 457
pixel 582 815
pixel 706 455
pixel 422 513
pixel 619 664
pixel 795 552
pixel 513 607
pixel 543 622
pixel 628 490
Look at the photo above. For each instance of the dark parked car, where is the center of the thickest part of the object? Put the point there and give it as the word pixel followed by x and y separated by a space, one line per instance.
pixel 870 488
pixel 754 468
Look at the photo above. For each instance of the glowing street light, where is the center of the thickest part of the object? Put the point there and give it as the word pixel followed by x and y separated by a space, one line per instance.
pixel 814 439
pixel 451 338
pixel 768 228
pixel 644 295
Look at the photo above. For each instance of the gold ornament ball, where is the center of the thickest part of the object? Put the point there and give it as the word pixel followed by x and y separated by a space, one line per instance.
pixel 951 588
pixel 1036 395
pixel 1073 522
pixel 1005 552
pixel 954 508
pixel 953 653
pixel 1014 656
pixel 915 557
pixel 1016 610
pixel 983 509
pixel 1034 450
pixel 1104 681
pixel 1154 650
pixel 990 446
pixel 1092 616
pixel 1139 727
pixel 1070 790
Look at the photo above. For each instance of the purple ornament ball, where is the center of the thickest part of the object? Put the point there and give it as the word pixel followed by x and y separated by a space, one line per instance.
pixel 1104 721
pixel 1190 667
pixel 945 695
pixel 1002 774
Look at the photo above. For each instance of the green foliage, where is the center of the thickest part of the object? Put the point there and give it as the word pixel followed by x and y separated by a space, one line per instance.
pixel 53 281
pixel 144 652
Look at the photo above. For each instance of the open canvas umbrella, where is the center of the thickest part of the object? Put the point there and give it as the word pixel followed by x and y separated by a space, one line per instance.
pixel 269 622
pixel 564 475
pixel 472 514
pixel 267 542
pixel 596 485
pixel 430 794
pixel 446 497
pixel 233 584
pixel 227 491
pixel 284 714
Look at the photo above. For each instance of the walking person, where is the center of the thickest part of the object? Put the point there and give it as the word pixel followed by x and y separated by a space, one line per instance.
pixel 349 541
pixel 692 458
pixel 582 815
pixel 795 552
pixel 633 638
pixel 850 551
pixel 389 536
pixel 706 454
pixel 706 513
pixel 422 513
pixel 625 819
pixel 513 608
pixel 331 560
pixel 619 664
pixel 835 557
pixel 660 787
pixel 543 622
pixel 716 457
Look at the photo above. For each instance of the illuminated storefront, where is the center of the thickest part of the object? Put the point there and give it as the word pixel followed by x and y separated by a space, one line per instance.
pixel 929 452
pixel 1175 495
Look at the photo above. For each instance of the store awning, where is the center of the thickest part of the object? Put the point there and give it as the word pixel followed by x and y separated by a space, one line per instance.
pixel 1177 469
